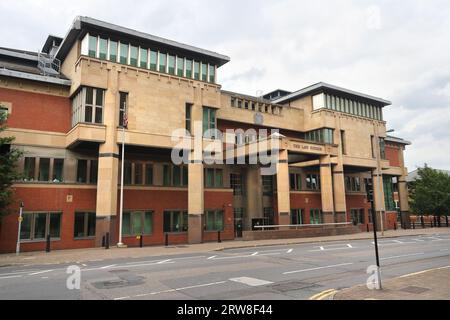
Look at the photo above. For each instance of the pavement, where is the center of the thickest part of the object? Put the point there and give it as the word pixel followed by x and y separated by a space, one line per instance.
pixel 433 284
pixel 92 254
pixel 311 268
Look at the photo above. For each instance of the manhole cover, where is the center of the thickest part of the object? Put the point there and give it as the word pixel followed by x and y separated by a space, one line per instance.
pixel 415 290
pixel 293 285
pixel 110 284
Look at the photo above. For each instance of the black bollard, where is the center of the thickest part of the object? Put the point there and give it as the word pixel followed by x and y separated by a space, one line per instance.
pixel 368 230
pixel 395 226
pixel 167 239
pixel 107 241
pixel 414 225
pixel 141 241
pixel 47 247
pixel 446 221
pixel 422 222
pixel 218 237
pixel 103 242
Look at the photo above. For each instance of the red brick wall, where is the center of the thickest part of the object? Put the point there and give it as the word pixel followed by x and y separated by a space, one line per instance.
pixel 47 199
pixel 298 201
pixel 358 201
pixel 392 154
pixel 37 111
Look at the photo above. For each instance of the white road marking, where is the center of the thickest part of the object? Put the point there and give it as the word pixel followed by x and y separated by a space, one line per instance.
pixel 444 250
pixel 404 255
pixel 164 261
pixel 254 253
pixel 252 282
pixel 107 267
pixel 39 272
pixel 349 245
pixel 147 264
pixel 138 262
pixel 212 257
pixel 44 278
pixel 290 251
pixel 419 240
pixel 269 254
pixel 318 268
pixel 16 273
pixel 232 257
pixel 9 277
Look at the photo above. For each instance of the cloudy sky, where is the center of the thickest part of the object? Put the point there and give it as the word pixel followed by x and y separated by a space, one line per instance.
pixel 397 50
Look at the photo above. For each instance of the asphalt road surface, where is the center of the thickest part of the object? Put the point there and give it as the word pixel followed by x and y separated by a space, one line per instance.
pixel 277 272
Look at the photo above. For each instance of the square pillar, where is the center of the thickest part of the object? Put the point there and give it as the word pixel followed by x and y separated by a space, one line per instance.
pixel 195 200
pixel 326 189
pixel 340 205
pixel 253 195
pixel 283 190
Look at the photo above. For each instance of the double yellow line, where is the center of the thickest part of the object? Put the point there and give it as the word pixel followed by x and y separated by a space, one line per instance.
pixel 323 295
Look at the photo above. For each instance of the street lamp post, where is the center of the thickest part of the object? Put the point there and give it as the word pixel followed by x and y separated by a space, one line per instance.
pixel 18 229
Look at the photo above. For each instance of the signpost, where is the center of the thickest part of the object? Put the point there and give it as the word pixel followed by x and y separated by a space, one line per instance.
pixel 369 190
pixel 18 229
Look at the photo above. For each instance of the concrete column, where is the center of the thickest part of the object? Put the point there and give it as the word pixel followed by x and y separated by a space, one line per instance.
pixel 108 164
pixel 403 193
pixel 340 205
pixel 326 189
pixel 283 190
pixel 254 195
pixel 195 200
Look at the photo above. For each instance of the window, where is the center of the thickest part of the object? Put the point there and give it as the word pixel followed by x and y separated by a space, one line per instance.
pixel 382 148
pixel 138 173
pixel 93 172
pixel 148 174
pixel 267 184
pixel 171 64
pixel 175 176
pixel 321 135
pixel 87 106
pixel 236 183
pixel 343 144
pixel 214 220
pixel 315 216
pixel 92 46
pixel 353 184
pixel 153 60
pixel 143 60
pixel 370 216
pixel 196 70
pixel 137 223
pixel 372 141
pixel 212 74
pixel 162 62
pixel 297 216
pixel 123 102
pixel 36 226
pixel 188 111
pixel 127 168
pixel 133 56
pixel 204 72
pixel 180 67
pixel 269 218
pixel 188 68
pixel 357 216
pixel 312 182
pixel 29 169
pixel 113 51
pixel 84 225
pixel 44 169
pixel 103 48
pixel 58 170
pixel 209 122
pixel 295 181
pixel 388 193
pixel 213 178
pixel 82 171
pixel 123 53
pixel 175 221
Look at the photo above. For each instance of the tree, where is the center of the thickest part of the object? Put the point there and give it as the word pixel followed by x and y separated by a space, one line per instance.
pixel 430 193
pixel 8 168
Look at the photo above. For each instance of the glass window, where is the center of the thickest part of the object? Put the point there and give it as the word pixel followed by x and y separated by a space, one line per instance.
pixel 315 216
pixel 296 216
pixel 113 51
pixel 127 173
pixel 55 225
pixel 175 221
pixel 82 171
pixel 25 227
pixel 40 221
pixel 236 183
pixel 162 62
pixel 92 46
pixel 44 169
pixel 176 176
pixel 58 170
pixel 171 65
pixel 133 56
pixel 382 149
pixel 204 72
pixel 180 67
pixel 214 220
pixel 84 224
pixel 137 223
pixel 29 169
pixel 209 178
pixel 188 68
pixel 267 183
pixel 212 74
pixel 143 53
pixel 99 95
pixel 138 173
pixel 197 70
pixel 103 48
pixel 167 175
pixel 148 174
pixel 122 107
pixel 123 53
pixel 209 122
pixel 153 60
pixel 188 110
pixel 312 182
pixel 269 219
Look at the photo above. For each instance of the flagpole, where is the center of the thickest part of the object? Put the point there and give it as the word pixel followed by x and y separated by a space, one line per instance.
pixel 120 244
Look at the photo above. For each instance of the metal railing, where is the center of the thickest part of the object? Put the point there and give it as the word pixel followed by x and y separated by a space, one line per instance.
pixel 297 226
pixel 49 65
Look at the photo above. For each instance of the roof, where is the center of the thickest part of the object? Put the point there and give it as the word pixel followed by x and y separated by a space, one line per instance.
pixel 279 93
pixel 246 96
pixel 322 86
pixel 414 174
pixel 82 25
pixel 397 140
pixel 49 43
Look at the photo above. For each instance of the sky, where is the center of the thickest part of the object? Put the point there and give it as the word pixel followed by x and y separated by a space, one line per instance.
pixel 396 50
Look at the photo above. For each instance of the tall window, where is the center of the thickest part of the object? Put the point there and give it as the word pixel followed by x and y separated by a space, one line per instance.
pixel 213 178
pixel 148 174
pixel 382 149
pixel 162 62
pixel 133 56
pixel 127 169
pixel 197 70
pixel 297 216
pixel 143 58
pixel 87 106
pixel 357 216
pixel 123 102
pixel 84 225
pixel 44 169
pixel 188 109
pixel 87 171
pixel 343 144
pixel 92 46
pixel 29 169
pixel 214 220
pixel 171 64
pixel 36 226
pixel 353 184
pixel 137 223
pixel 295 181
pixel 372 141
pixel 175 176
pixel 103 48
pixel 82 171
pixel 209 122
pixel 267 184
pixel 312 182
pixel 93 172
pixel 388 193
pixel 212 74
pixel 138 173
pixel 180 67
pixel 315 216
pixel 189 69
pixel 123 53
pixel 204 72
pixel 153 60
pixel 175 221
pixel 58 170
pixel 236 183
pixel 269 217
pixel 113 51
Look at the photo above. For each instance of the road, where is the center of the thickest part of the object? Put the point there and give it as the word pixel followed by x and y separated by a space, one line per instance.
pixel 278 272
